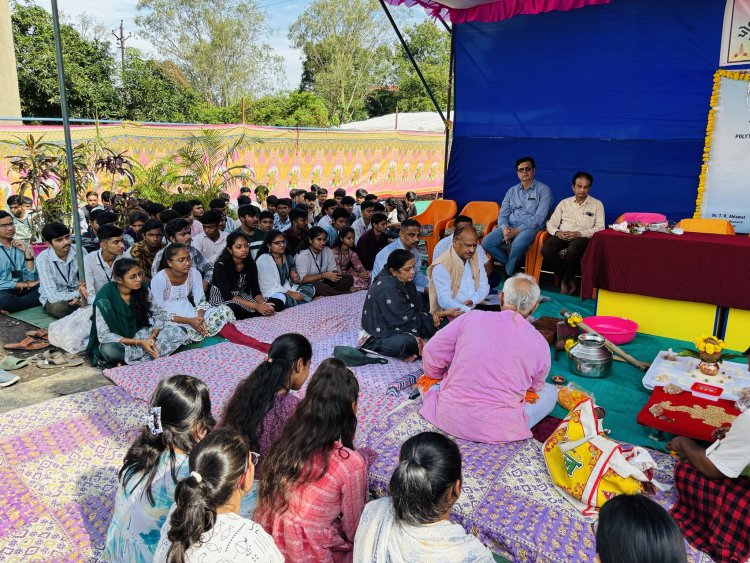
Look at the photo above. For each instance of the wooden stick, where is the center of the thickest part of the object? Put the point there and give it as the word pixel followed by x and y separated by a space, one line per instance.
pixel 643 366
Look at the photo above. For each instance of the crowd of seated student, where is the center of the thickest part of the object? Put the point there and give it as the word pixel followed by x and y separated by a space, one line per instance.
pixel 311 494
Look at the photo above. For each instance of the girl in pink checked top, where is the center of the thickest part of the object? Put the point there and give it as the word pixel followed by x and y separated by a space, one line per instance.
pixel 314 483
pixel 348 261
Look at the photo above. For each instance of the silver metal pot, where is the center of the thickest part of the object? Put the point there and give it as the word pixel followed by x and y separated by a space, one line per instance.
pixel 590 358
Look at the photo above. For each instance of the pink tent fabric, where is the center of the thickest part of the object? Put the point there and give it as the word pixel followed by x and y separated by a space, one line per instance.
pixel 463 11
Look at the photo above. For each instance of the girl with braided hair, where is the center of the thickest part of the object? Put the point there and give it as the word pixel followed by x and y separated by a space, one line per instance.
pixel 205 525
pixel 179 416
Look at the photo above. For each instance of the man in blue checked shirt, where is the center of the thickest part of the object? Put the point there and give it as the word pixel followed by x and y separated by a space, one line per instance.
pixel 19 283
pixel 523 213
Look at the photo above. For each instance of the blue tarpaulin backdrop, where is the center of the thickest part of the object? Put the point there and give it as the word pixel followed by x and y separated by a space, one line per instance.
pixel 621 91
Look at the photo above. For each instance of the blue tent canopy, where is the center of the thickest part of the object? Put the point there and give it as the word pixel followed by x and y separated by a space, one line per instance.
pixel 619 90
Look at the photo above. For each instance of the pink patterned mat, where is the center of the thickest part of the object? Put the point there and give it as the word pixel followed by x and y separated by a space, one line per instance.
pixel 59 459
pixel 58 470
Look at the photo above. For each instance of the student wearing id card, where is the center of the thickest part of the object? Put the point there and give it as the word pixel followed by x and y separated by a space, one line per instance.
pixel 19 283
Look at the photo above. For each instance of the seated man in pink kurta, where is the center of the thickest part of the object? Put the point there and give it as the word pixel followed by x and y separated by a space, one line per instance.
pixel 487 361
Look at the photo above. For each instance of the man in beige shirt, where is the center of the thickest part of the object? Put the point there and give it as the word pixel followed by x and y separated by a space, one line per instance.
pixel 572 224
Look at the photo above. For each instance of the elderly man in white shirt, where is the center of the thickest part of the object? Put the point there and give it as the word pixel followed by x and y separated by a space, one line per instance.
pixel 458 279
pixel 572 224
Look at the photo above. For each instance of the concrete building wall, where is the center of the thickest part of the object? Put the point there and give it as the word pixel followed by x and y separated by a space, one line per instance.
pixel 10 101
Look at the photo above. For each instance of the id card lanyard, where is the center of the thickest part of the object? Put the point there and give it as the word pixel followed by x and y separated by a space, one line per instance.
pixel 12 262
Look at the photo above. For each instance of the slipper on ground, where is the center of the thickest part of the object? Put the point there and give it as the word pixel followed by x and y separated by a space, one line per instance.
pixel 59 362
pixel 10 363
pixel 7 379
pixel 28 343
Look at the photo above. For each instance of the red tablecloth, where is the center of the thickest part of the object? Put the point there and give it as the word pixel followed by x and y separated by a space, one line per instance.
pixel 712 269
pixel 684 424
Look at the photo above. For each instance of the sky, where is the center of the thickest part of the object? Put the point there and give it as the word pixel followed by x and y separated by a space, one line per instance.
pixel 281 15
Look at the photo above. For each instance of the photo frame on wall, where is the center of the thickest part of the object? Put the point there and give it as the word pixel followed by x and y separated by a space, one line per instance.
pixel 735 37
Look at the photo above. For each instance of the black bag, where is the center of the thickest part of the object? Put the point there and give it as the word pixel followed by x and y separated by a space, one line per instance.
pixel 354 357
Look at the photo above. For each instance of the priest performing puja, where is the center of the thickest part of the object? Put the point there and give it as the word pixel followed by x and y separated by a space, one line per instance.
pixel 375 281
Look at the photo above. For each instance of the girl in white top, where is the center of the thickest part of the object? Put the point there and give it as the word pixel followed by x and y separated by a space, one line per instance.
pixel 316 265
pixel 277 273
pixel 413 524
pixel 179 416
pixel 176 281
pixel 205 525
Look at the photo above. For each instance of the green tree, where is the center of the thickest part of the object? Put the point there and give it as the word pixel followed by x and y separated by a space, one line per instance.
pixel 346 48
pixel 215 43
pixel 153 91
pixel 296 109
pixel 430 46
pixel 88 68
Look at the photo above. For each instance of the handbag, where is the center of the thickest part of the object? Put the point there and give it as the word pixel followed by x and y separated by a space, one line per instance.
pixel 354 357
pixel 71 333
pixel 588 468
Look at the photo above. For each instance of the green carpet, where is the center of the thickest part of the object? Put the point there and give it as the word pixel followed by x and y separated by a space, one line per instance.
pixel 35 316
pixel 210 341
pixel 622 394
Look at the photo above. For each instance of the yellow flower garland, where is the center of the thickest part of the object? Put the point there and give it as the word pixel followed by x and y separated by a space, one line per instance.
pixel 709 344
pixel 734 75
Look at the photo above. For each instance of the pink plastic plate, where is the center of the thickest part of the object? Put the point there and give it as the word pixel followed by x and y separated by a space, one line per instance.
pixel 615 329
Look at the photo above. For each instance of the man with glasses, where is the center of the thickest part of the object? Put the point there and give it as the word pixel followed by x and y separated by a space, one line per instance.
pixel 457 279
pixel 523 213
pixel 19 281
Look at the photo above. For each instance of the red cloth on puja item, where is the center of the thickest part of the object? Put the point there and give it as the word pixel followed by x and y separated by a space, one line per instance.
pixel 684 424
pixel 693 267
pixel 713 513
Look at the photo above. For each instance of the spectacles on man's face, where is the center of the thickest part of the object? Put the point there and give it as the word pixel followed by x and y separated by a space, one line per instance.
pixel 524 169
pixel 279 242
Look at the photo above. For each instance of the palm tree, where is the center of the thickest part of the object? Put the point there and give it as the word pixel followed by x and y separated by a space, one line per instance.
pixel 207 160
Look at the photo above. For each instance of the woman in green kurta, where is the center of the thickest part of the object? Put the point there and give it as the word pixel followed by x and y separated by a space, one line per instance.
pixel 122 328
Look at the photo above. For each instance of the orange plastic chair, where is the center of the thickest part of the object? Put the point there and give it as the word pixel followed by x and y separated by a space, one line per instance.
pixel 482 213
pixel 534 258
pixel 708 226
pixel 437 214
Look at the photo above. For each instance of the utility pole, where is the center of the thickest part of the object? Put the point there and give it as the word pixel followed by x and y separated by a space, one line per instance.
pixel 121 44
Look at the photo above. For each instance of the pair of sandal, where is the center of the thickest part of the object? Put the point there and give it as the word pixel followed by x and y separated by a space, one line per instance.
pixel 53 359
pixel 35 340
pixel 8 364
